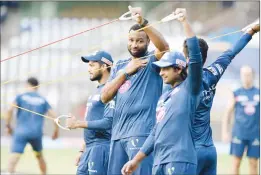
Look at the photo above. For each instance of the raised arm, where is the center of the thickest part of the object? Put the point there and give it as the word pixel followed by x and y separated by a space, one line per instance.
pixel 195 58
pixel 218 67
pixel 156 37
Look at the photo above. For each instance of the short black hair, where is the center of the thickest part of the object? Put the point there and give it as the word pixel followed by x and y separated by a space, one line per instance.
pixel 32 81
pixel 136 27
pixel 203 45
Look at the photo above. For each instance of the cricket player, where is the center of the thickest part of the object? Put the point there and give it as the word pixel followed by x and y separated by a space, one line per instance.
pixel 202 133
pixel 137 86
pixel 94 155
pixel 246 129
pixel 171 139
pixel 29 126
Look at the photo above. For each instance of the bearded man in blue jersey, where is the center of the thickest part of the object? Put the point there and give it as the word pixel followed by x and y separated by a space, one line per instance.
pixel 94 154
pixel 171 139
pixel 136 85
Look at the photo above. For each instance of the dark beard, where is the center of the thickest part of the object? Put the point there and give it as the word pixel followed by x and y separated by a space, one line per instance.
pixel 141 53
pixel 97 78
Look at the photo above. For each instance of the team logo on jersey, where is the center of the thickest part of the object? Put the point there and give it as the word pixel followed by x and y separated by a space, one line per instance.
pixel 220 69
pixel 171 170
pixel 249 109
pixel 134 143
pixel 256 142
pixel 90 167
pixel 236 140
pixel 125 87
pixel 212 70
pixel 241 98
pixel 160 113
pixel 256 97
pixel 33 100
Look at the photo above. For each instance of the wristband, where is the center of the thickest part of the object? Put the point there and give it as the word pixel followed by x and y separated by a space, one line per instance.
pixel 127 76
pixel 145 22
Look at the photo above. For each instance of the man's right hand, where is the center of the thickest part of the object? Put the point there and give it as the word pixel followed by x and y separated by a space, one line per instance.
pixel 134 65
pixel 129 167
pixel 71 122
pixel 136 13
pixel 78 158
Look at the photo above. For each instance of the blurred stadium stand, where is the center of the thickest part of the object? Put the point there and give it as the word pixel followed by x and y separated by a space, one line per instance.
pixel 38 23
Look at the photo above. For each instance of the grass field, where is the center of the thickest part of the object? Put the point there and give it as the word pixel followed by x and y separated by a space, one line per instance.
pixel 61 161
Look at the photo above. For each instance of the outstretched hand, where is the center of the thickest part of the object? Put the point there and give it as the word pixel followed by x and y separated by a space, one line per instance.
pixel 136 13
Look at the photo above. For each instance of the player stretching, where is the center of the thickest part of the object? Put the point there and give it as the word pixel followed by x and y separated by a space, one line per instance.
pixel 29 126
pixel 137 86
pixel 171 138
pixel 202 133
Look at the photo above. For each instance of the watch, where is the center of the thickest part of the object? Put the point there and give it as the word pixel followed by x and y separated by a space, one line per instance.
pixel 127 76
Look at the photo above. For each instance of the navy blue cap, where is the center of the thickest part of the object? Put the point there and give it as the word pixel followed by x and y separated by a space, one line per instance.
pixel 99 56
pixel 173 58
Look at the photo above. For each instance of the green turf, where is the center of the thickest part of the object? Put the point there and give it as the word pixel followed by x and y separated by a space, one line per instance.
pixel 61 161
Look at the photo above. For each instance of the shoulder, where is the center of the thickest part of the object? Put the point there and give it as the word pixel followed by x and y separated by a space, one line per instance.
pixel 120 63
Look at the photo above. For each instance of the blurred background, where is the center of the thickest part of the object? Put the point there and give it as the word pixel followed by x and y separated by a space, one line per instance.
pixel 64 79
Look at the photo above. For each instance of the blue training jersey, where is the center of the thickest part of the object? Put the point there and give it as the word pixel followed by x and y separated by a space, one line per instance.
pixel 136 100
pixel 171 138
pixel 202 132
pixel 247 114
pixel 29 124
pixel 97 112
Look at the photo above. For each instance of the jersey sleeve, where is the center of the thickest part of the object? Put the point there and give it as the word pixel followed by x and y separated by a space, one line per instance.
pixel 113 72
pixel 106 122
pixel 152 59
pixel 148 145
pixel 217 69
pixel 194 66
pixel 47 106
pixel 18 100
